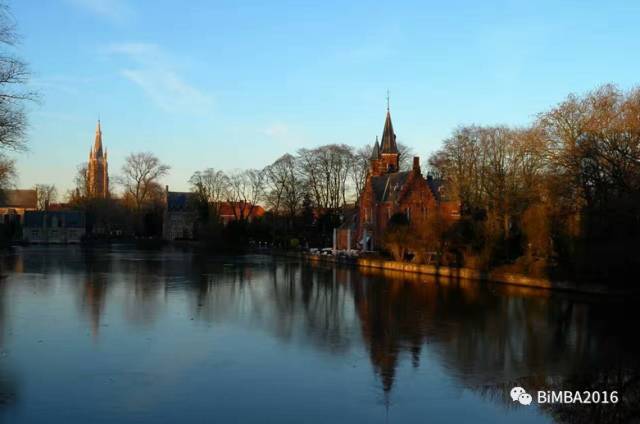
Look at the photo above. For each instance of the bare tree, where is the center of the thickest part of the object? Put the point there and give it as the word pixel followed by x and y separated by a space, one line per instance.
pixel 326 170
pixel 246 189
pixel 7 175
pixel 79 193
pixel 47 194
pixel 285 188
pixel 140 175
pixel 210 186
pixel 14 74
pixel 359 169
pixel 406 157
pixel 596 144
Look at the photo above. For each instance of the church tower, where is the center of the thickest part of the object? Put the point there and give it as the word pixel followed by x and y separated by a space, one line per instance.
pixel 98 169
pixel 385 157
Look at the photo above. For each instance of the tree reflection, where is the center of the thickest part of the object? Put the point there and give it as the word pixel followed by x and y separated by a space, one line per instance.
pixel 8 382
pixel 493 342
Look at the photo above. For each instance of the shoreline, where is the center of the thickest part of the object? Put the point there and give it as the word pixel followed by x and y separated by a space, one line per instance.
pixel 469 274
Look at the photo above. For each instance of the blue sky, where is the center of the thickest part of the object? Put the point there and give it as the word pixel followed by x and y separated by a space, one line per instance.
pixel 235 84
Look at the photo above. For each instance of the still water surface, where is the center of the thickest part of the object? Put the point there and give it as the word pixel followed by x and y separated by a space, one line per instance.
pixel 117 335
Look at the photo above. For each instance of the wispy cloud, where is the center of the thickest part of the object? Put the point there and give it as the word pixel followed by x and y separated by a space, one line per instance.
pixel 286 135
pixel 117 10
pixel 155 72
pixel 277 130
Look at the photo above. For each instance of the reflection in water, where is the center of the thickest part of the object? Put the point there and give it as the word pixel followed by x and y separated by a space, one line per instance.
pixel 486 338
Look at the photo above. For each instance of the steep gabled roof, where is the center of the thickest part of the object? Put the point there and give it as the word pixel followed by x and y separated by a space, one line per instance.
pixel 388 137
pixel 388 187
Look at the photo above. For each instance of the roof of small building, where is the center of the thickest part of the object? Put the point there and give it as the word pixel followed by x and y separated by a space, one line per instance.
pixel 179 200
pixel 349 218
pixel 27 199
pixel 228 209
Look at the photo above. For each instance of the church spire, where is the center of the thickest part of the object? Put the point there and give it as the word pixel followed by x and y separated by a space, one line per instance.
pixel 97 145
pixel 97 168
pixel 375 153
pixel 388 144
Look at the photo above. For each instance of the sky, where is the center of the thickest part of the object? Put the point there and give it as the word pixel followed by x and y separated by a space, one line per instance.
pixel 236 84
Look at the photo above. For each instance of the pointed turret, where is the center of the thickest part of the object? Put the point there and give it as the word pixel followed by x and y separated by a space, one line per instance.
pixel 97 145
pixel 388 136
pixel 375 153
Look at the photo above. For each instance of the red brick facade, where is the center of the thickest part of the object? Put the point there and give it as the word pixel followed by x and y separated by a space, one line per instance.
pixel 389 191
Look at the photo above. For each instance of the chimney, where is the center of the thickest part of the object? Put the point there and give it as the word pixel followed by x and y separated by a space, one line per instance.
pixel 416 164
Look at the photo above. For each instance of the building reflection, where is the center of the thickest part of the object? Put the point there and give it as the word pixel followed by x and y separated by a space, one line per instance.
pixel 94 292
pixel 93 288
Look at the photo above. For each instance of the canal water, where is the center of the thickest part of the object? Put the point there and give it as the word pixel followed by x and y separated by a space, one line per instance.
pixel 118 335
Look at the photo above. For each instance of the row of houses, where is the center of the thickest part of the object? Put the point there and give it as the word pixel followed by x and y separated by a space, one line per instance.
pixel 20 215
pixel 22 220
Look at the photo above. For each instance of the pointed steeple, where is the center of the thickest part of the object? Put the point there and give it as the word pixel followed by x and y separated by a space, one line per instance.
pixel 388 136
pixel 375 153
pixel 97 145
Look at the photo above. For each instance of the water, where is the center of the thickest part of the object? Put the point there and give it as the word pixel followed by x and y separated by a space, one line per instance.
pixel 117 335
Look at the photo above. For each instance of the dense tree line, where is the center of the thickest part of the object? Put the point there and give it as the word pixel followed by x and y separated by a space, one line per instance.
pixel 561 195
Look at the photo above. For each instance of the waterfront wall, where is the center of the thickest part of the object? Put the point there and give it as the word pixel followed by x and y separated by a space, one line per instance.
pixel 448 273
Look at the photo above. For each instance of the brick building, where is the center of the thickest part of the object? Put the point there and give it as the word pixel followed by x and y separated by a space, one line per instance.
pixel 389 191
pixel 14 204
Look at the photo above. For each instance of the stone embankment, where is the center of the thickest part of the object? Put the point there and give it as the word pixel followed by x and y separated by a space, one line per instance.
pixel 448 273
